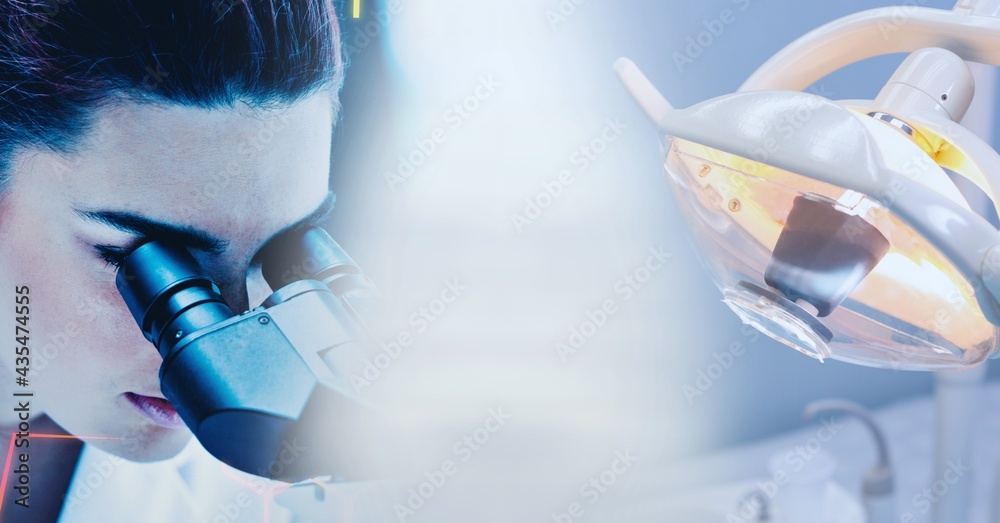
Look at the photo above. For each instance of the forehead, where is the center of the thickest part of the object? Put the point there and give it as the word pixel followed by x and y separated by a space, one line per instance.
pixel 220 170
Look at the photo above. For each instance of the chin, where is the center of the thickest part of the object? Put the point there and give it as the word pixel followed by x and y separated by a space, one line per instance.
pixel 155 445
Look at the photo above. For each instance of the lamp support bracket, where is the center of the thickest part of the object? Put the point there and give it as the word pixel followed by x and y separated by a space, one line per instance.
pixel 971 30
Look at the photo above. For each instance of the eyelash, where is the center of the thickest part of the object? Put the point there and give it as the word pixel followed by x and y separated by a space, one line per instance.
pixel 113 256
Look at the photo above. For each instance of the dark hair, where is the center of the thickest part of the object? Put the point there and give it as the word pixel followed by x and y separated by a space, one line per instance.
pixel 61 59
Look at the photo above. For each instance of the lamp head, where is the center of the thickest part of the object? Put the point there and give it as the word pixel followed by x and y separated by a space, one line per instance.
pixel 831 229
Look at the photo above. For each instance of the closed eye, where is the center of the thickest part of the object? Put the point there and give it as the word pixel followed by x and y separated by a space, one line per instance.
pixel 112 255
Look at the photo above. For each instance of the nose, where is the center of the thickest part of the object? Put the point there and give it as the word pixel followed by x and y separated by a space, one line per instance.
pixel 231 278
pixel 234 291
pixel 242 287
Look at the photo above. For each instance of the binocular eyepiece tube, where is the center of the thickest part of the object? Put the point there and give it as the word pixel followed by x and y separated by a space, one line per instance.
pixel 251 385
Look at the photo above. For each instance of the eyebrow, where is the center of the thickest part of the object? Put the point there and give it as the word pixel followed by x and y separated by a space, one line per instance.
pixel 155 230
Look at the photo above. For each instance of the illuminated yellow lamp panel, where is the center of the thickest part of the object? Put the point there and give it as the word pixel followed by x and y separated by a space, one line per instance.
pixel 920 286
pixel 914 281
pixel 756 196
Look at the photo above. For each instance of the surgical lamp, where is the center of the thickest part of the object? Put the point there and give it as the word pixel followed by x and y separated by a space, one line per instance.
pixel 836 227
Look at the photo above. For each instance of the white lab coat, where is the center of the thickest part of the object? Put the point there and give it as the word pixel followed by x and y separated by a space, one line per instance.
pixel 192 487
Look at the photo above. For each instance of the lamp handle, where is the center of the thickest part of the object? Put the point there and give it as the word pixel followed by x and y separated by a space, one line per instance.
pixel 969 30
pixel 645 93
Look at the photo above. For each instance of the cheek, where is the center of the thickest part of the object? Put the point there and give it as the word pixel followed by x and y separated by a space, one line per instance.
pixel 92 350
pixel 83 326
pixel 82 335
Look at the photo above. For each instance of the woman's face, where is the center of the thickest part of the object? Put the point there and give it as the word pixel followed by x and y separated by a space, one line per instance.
pixel 220 181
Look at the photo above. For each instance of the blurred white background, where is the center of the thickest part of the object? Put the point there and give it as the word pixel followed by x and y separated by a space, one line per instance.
pixel 459 117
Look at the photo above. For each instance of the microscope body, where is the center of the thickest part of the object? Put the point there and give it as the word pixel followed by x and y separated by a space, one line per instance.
pixel 266 391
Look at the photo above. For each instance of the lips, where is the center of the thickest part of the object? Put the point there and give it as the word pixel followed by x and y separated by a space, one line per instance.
pixel 157 410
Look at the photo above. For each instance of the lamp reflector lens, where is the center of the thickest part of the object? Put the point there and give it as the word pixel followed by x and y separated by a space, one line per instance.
pixel 826 270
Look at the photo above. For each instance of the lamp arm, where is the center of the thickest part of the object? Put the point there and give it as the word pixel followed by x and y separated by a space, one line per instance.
pixel 968 31
pixel 983 166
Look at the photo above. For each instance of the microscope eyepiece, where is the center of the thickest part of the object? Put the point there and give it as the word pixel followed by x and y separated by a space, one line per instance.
pixel 168 294
pixel 250 385
pixel 311 254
